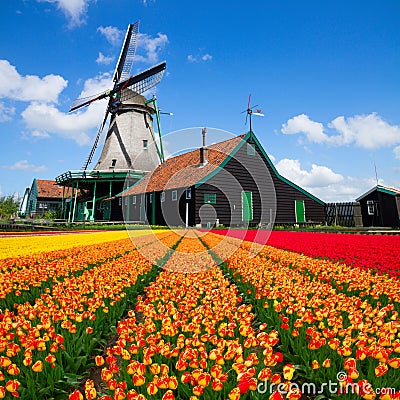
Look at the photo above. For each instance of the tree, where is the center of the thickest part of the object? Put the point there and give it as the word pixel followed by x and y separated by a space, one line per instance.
pixel 8 206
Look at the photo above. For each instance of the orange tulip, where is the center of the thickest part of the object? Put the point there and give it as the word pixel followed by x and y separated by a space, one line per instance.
pixel 288 371
pixel 13 369
pixel 168 395
pixel 216 385
pixel 138 380
pixel 315 364
pixel 38 366
pixel 198 390
pixel 381 369
pixel 151 388
pixel 276 396
pixel 76 395
pixel 394 362
pixel 12 385
pixel 234 394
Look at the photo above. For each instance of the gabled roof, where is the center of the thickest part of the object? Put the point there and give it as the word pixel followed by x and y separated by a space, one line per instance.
pixel 185 170
pixel 383 189
pixel 48 189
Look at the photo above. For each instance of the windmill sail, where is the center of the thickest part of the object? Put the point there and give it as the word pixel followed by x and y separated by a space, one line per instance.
pixel 139 83
pixel 125 61
pixel 85 101
pixel 131 128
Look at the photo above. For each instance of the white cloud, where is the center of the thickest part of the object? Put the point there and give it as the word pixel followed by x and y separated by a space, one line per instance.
pixel 45 119
pixel 396 152
pixel 366 131
pixel 113 35
pixel 29 87
pixel 40 134
pixel 152 46
pixel 318 176
pixel 302 124
pixel 23 165
pixel 324 183
pixel 74 10
pixel 102 59
pixel 6 112
pixel 200 57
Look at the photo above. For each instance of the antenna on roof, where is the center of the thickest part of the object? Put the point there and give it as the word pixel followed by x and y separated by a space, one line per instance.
pixel 376 175
pixel 249 111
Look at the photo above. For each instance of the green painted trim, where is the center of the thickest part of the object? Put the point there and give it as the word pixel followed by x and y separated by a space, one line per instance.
pixel 282 178
pixel 387 191
pixel 251 135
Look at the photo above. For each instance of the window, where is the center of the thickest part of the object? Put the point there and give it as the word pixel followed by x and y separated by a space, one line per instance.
pixel 162 197
pixel 151 197
pixel 188 193
pixel 210 198
pixel 371 207
pixel 126 200
pixel 113 162
pixel 251 149
pixel 145 143
pixel 133 199
pixel 120 201
pixel 174 195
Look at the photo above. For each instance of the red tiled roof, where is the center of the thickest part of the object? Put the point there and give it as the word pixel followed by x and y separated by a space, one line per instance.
pixel 184 170
pixel 48 188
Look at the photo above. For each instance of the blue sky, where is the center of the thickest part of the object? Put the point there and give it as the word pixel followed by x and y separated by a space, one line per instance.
pixel 326 75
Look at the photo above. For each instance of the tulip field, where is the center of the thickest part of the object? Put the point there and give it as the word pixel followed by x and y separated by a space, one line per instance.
pixel 197 315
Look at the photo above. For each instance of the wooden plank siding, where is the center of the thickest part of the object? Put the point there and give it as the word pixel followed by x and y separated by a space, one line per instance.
pixel 253 173
pixel 386 211
pixel 246 168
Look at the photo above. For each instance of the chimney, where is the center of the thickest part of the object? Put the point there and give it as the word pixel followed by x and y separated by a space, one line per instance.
pixel 204 149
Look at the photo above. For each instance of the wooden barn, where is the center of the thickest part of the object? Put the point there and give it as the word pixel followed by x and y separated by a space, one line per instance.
pixel 43 196
pixel 380 206
pixel 232 183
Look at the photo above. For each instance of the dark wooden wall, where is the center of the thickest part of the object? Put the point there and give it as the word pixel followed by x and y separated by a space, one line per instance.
pixel 386 210
pixel 272 197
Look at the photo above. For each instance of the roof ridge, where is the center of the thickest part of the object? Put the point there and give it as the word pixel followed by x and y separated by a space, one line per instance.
pixel 198 148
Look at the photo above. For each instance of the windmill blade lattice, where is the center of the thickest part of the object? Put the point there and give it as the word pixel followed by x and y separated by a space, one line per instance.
pixel 144 81
pixel 125 61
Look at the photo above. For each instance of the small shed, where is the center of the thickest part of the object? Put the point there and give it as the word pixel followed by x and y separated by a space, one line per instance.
pixel 44 195
pixel 380 206
pixel 232 183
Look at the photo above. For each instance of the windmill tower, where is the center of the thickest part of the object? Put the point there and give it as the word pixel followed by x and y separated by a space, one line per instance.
pixel 131 148
pixel 130 142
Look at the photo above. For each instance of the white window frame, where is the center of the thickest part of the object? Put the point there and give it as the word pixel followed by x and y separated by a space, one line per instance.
pixel 188 193
pixel 162 197
pixel 371 207
pixel 174 195
pixel 133 199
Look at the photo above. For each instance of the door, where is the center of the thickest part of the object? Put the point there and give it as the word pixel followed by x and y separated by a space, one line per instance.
pixel 143 207
pixel 247 206
pixel 300 211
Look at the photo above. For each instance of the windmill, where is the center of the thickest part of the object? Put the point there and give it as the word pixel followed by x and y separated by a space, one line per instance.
pixel 249 111
pixel 130 132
